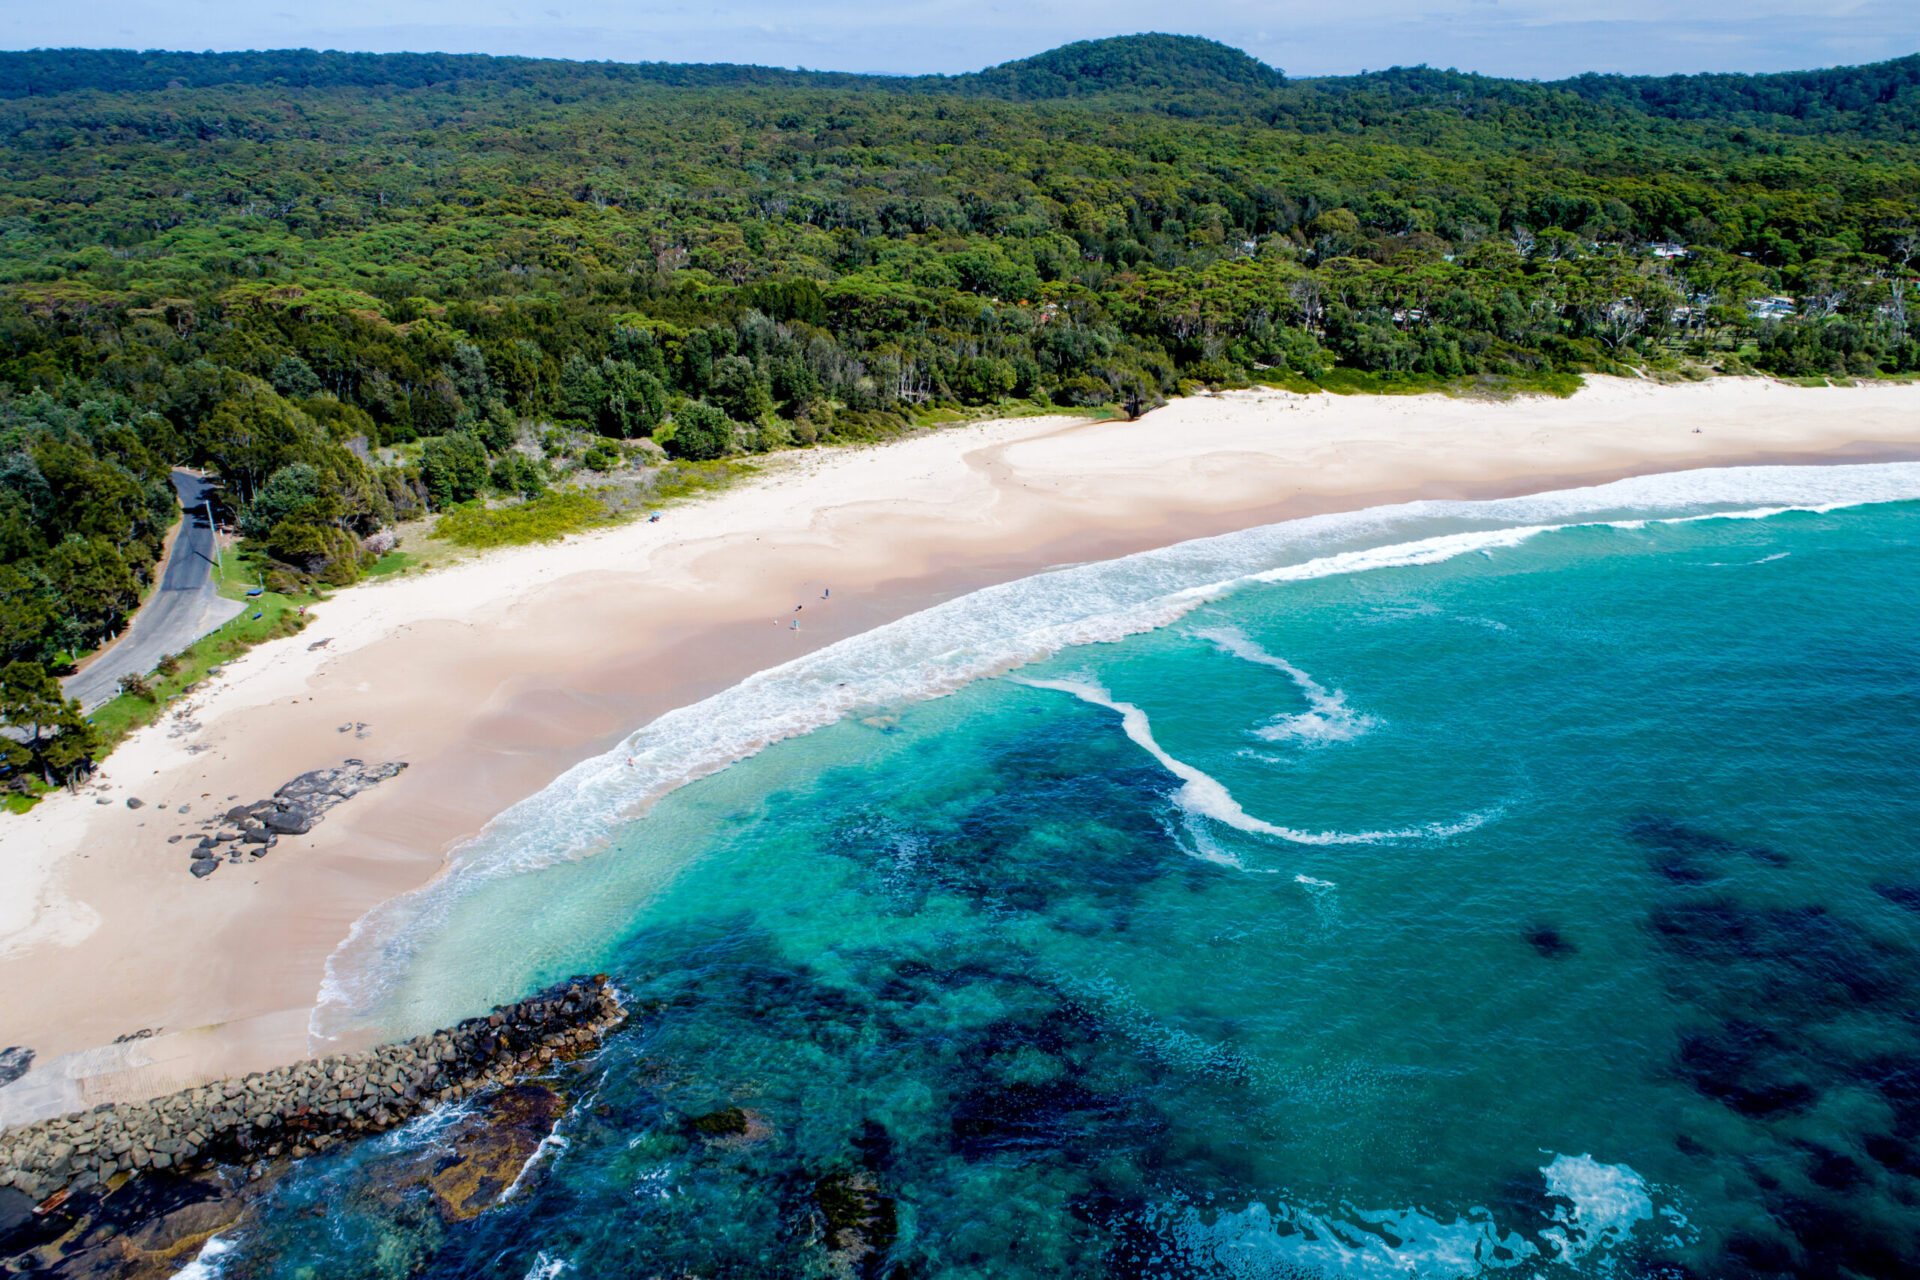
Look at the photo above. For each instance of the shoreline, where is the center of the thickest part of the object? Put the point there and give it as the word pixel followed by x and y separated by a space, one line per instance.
pixel 493 676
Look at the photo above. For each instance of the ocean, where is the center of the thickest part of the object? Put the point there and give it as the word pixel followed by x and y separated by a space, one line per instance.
pixel 1522 887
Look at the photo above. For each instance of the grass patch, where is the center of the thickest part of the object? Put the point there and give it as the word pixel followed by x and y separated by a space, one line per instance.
pixel 549 517
pixel 684 479
pixel 552 516
pixel 390 563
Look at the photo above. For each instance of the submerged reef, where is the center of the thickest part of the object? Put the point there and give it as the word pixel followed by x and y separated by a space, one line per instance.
pixel 1782 1001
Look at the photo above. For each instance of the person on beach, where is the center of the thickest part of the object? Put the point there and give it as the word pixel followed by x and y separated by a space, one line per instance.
pixel 825 592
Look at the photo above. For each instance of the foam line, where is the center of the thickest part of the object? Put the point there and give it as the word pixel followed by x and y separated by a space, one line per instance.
pixel 1329 720
pixel 1003 627
pixel 1202 793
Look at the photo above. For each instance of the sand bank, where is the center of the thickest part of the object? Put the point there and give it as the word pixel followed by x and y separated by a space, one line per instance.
pixel 492 677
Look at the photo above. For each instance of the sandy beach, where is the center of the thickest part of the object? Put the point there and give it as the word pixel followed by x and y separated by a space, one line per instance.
pixel 492 676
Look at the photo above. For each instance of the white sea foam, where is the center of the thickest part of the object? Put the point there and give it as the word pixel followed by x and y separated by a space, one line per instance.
pixel 1602 1205
pixel 1203 794
pixel 206 1264
pixel 1607 1201
pixel 547 1267
pixel 1286 1243
pixel 1002 627
pixel 1745 564
pixel 550 1146
pixel 1327 719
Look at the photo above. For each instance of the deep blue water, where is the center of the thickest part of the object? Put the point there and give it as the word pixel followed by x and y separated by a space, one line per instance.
pixel 1543 903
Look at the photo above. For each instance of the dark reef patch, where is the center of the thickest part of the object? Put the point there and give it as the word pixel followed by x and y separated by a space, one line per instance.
pixel 1548 942
pixel 1145 1246
pixel 1752 1253
pixel 1059 1118
pixel 1065 815
pixel 1684 854
pixel 1902 893
pixel 725 1123
pixel 1832 1169
pixel 1803 958
pixel 1745 1066
pixel 1786 996
pixel 1835 1239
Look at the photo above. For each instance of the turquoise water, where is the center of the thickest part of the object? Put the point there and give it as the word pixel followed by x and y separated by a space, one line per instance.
pixel 1446 890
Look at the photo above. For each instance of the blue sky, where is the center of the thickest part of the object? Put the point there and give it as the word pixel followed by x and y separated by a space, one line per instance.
pixel 1538 38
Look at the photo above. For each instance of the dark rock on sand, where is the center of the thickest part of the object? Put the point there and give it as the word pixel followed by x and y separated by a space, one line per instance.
pixel 14 1063
pixel 1746 1067
pixel 135 802
pixel 1902 894
pixel 292 810
pixel 289 822
pixel 203 867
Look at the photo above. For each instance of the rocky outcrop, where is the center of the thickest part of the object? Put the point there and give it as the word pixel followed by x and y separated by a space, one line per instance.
pixel 307 1106
pixel 249 830
pixel 485 1158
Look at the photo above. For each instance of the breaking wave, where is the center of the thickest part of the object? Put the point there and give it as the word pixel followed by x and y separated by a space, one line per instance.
pixel 1596 1209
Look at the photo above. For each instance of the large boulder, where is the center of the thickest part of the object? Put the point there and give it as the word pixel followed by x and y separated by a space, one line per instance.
pixel 290 821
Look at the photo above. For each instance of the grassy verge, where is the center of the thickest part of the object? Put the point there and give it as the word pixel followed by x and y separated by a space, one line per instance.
pixel 268 617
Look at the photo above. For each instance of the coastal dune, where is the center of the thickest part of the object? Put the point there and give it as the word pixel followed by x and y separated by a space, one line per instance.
pixel 492 677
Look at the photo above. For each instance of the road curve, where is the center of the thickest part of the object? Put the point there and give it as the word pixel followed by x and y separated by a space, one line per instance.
pixel 185 607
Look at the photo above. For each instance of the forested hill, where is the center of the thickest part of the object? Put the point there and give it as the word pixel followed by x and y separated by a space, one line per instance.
pixel 1882 98
pixel 361 286
pixel 1143 65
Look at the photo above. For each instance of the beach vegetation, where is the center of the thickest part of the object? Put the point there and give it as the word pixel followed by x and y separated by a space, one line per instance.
pixel 47 736
pixel 543 519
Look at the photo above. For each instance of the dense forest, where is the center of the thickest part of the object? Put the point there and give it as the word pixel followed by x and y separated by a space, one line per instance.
pixel 363 287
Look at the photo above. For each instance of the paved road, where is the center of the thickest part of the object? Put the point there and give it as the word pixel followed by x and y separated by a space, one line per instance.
pixel 185 607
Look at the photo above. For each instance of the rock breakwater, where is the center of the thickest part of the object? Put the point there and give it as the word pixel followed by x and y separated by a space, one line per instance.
pixel 306 1106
